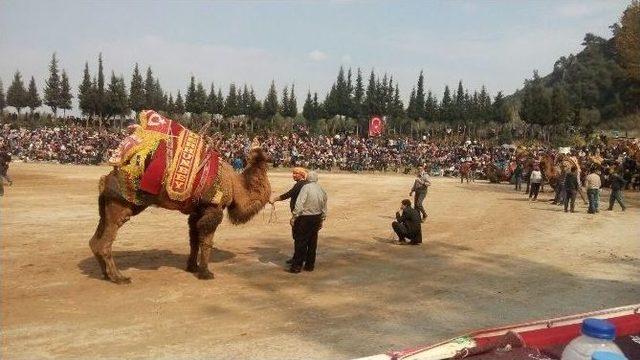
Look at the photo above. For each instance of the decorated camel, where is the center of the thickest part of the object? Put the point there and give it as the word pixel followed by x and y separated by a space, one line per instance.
pixel 164 164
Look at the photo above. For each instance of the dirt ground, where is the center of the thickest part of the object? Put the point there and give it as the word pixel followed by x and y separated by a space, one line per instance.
pixel 489 258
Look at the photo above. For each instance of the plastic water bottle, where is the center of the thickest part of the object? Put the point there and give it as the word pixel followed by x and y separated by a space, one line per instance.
pixel 597 335
pixel 606 355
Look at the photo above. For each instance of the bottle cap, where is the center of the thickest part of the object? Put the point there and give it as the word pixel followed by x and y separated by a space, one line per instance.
pixel 598 328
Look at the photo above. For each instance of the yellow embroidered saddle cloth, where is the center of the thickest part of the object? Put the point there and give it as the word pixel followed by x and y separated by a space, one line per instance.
pixel 162 153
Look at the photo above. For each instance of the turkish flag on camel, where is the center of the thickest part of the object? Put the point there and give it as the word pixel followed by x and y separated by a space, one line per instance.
pixel 376 126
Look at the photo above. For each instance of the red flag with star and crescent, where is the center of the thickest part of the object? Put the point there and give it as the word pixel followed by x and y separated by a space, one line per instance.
pixel 376 126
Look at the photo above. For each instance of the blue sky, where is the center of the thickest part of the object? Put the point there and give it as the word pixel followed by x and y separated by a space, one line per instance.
pixel 496 43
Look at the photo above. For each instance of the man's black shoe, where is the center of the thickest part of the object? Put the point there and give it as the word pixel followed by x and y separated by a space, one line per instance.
pixel 290 261
pixel 294 270
pixel 308 268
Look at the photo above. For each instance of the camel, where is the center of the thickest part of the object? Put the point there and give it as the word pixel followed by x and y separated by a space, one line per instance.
pixel 243 196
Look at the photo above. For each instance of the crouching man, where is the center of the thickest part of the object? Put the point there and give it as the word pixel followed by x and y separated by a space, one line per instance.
pixel 308 214
pixel 408 225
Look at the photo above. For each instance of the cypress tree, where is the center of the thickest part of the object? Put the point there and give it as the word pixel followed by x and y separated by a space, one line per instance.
pixel 65 94
pixel 136 91
pixel 33 99
pixel 99 90
pixel 17 94
pixel 149 90
pixel 419 105
pixel 52 88
pixel 190 100
pixel 179 104
pixel 358 97
pixel 293 102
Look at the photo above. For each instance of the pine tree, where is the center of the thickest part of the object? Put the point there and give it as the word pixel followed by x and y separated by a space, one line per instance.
pixel 99 89
pixel 285 101
pixel 397 108
pixel 219 102
pixel 500 114
pixel 171 106
pixel 190 99
pixel 65 94
pixel 33 99
pixel 318 109
pixel 307 108
pixel 271 106
pixel 446 106
pixel 211 101
pixel 231 102
pixel 85 95
pixel 371 101
pixel 431 107
pixel 200 99
pixel 179 104
pixel 3 101
pixel 17 94
pixel 159 97
pixel 245 101
pixel 52 88
pixel 459 104
pixel 136 91
pixel 411 106
pixel 255 106
pixel 149 90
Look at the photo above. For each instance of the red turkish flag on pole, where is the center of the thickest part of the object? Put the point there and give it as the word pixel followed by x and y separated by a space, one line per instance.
pixel 376 125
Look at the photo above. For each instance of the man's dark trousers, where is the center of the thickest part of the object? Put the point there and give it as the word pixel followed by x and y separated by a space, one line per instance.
pixel 569 197
pixel 418 198
pixel 305 236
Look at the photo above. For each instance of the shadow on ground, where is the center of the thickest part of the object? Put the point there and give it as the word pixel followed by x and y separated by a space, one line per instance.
pixel 147 260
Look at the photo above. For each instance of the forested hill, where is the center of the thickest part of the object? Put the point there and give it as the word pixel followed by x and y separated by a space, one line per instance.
pixel 600 86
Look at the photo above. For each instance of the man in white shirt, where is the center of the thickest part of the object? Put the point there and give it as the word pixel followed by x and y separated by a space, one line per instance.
pixel 536 181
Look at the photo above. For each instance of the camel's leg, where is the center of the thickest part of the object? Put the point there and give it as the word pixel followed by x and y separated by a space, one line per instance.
pixel 207 225
pixel 194 242
pixel 115 215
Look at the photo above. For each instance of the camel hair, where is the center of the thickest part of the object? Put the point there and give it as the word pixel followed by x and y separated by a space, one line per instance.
pixel 244 195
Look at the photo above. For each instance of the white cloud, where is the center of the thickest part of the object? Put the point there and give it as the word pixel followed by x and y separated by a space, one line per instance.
pixel 346 59
pixel 317 55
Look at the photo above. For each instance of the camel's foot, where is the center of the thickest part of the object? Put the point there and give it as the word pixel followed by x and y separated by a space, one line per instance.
pixel 205 275
pixel 192 267
pixel 120 280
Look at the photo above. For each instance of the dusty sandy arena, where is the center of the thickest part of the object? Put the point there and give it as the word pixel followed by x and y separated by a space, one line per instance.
pixel 489 258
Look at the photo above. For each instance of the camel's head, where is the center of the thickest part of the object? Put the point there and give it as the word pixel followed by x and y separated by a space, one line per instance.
pixel 256 154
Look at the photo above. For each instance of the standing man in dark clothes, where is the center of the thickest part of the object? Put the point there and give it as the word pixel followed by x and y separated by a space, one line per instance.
pixel 309 213
pixel 571 185
pixel 420 188
pixel 5 159
pixel 560 188
pixel 408 224
pixel 299 176
pixel 617 184
pixel 517 176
